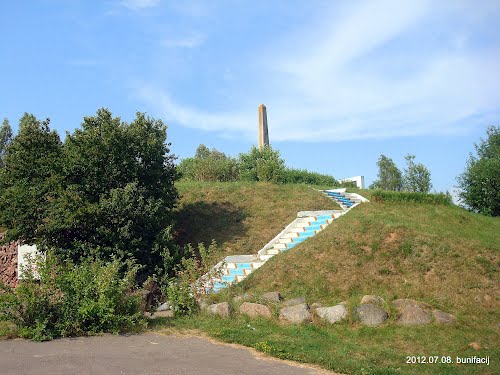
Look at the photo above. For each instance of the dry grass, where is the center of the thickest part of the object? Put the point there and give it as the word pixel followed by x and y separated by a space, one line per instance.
pixel 241 217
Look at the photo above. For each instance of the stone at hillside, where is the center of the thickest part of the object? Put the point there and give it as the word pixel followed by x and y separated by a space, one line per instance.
pixel 294 301
pixel 254 310
pixel 163 307
pixel 405 302
pixel 475 345
pixel 410 315
pixel 315 305
pixel 371 315
pixel 296 314
pixel 272 297
pixel 332 314
pixel 202 304
pixel 222 309
pixel 159 314
pixel 372 299
pixel 443 317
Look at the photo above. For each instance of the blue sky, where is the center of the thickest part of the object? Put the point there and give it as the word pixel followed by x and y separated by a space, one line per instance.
pixel 343 81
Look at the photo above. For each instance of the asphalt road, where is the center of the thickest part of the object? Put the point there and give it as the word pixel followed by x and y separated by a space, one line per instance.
pixel 145 354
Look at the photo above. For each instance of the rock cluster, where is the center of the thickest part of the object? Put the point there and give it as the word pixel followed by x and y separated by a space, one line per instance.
pixel 372 311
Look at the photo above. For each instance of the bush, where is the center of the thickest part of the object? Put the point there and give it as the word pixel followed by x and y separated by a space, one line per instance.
pixel 73 300
pixel 393 196
pixel 480 182
pixel 262 164
pixel 108 188
pixel 302 176
pixel 183 291
pixel 209 165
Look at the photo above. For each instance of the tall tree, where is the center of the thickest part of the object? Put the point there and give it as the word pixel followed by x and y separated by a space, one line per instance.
pixel 5 139
pixel 417 178
pixel 30 178
pixel 389 176
pixel 479 184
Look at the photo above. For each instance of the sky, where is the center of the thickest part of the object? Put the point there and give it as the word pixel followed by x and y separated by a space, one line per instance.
pixel 343 81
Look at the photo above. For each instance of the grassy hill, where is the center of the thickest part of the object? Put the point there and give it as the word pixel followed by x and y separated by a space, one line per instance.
pixel 241 217
pixel 438 254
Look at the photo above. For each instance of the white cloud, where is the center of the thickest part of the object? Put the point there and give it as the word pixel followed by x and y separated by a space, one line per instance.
pixel 191 41
pixel 139 4
pixel 337 80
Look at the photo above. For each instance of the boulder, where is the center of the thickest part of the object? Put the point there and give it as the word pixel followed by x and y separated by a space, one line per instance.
pixel 294 301
pixel 372 299
pixel 443 317
pixel 272 297
pixel 254 310
pixel 222 309
pixel 332 314
pixel 410 315
pixel 163 307
pixel 371 315
pixel 296 314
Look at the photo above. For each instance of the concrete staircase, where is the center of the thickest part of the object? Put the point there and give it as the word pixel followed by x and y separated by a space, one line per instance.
pixel 236 268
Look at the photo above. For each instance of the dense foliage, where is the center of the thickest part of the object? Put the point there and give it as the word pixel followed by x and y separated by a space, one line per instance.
pixel 73 299
pixel 389 176
pixel 405 196
pixel 209 165
pixel 303 176
pixel 480 182
pixel 416 177
pixel 261 164
pixel 107 191
pixel 5 139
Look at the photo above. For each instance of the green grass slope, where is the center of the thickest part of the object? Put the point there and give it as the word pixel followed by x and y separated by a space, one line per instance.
pixel 241 217
pixel 438 254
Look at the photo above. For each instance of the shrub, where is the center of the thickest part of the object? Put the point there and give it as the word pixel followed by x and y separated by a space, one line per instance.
pixel 303 176
pixel 393 196
pixel 73 300
pixel 183 291
pixel 262 164
pixel 480 182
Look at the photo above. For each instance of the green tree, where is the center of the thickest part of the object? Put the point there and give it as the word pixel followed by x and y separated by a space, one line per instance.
pixel 30 179
pixel 209 165
pixel 262 164
pixel 5 139
pixel 108 191
pixel 389 176
pixel 417 177
pixel 479 184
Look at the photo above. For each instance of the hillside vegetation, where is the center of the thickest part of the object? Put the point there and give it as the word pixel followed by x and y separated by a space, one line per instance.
pixel 241 216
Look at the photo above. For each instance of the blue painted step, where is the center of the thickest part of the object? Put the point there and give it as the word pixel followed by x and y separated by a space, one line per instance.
pixel 236 271
pixel 229 278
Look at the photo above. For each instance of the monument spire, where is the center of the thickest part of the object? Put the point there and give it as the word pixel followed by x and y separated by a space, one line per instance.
pixel 263 132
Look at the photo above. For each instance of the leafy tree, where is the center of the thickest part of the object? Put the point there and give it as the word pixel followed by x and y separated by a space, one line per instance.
pixel 389 176
pixel 417 177
pixel 108 191
pixel 30 179
pixel 209 165
pixel 262 164
pixel 479 184
pixel 5 139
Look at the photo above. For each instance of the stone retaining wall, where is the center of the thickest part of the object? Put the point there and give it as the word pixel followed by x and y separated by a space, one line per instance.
pixel 8 263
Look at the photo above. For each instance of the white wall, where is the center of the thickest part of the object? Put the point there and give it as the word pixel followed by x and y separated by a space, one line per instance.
pixel 359 180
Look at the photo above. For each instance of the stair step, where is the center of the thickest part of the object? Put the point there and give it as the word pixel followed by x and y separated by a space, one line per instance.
pixel 273 251
pixel 279 246
pixel 285 240
pixel 290 235
pixel 266 256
